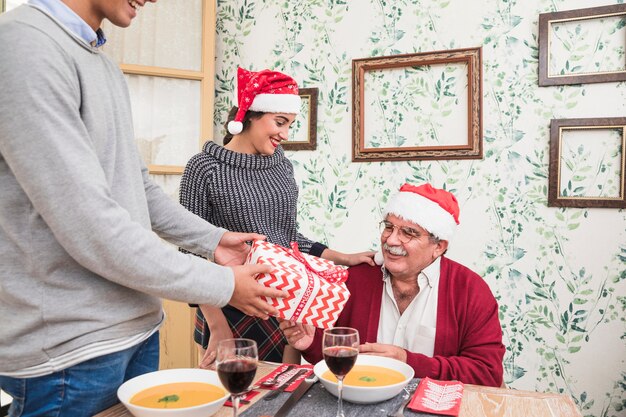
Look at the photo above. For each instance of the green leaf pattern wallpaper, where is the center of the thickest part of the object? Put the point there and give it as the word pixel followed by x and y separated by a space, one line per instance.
pixel 590 160
pixel 559 274
pixel 573 53
pixel 417 106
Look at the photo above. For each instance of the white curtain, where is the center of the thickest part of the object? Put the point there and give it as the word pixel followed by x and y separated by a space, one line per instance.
pixel 165 34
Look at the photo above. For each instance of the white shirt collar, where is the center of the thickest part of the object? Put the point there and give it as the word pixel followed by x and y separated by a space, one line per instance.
pixel 68 18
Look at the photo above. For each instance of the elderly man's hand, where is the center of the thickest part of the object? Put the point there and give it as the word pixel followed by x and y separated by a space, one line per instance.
pixel 248 292
pixel 233 249
pixel 379 349
pixel 299 336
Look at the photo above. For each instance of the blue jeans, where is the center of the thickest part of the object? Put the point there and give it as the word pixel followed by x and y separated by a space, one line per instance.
pixel 84 389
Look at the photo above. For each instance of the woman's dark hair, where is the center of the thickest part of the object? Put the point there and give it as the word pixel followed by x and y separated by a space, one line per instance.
pixel 246 121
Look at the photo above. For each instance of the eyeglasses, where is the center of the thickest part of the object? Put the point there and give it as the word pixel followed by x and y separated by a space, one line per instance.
pixel 405 234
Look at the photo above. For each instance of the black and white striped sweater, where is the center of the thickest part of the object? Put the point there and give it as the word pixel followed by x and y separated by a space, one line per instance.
pixel 245 193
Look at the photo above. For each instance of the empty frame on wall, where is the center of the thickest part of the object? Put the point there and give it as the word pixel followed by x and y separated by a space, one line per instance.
pixel 587 163
pixel 582 46
pixel 417 106
pixel 303 132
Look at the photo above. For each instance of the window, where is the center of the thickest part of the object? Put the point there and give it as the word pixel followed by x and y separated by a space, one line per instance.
pixel 170 77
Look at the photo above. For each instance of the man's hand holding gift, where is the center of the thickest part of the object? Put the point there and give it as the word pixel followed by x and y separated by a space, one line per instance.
pixel 298 335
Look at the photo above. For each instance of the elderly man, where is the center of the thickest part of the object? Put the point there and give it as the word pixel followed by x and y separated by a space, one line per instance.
pixel 420 307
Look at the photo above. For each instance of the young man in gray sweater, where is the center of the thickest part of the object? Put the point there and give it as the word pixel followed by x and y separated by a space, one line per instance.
pixel 82 268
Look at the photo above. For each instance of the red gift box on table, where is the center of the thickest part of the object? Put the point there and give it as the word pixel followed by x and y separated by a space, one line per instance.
pixel 316 286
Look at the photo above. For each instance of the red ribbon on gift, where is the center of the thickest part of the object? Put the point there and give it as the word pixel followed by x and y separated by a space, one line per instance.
pixel 312 275
pixel 332 275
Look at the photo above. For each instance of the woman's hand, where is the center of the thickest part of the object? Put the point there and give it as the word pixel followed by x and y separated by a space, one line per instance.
pixel 217 334
pixel 349 259
pixel 219 330
pixel 352 259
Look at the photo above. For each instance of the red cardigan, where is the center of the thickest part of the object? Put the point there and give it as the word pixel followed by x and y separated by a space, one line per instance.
pixel 468 341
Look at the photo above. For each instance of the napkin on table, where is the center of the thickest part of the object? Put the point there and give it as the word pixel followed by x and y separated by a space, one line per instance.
pixel 284 377
pixel 437 397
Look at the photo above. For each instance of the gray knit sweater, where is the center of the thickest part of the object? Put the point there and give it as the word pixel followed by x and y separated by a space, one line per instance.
pixel 79 262
pixel 245 193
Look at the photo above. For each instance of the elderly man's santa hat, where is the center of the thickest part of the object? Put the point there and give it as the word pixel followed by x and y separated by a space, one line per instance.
pixel 264 91
pixel 434 209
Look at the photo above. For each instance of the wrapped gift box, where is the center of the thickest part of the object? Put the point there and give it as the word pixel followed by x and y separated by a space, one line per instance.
pixel 316 286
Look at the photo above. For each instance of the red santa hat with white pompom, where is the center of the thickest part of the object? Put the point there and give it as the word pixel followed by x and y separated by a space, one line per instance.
pixel 434 209
pixel 264 91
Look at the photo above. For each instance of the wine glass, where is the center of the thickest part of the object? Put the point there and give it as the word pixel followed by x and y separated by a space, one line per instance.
pixel 340 347
pixel 236 366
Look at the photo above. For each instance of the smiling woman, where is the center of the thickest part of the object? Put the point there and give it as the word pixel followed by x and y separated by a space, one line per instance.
pixel 248 185
pixel 266 131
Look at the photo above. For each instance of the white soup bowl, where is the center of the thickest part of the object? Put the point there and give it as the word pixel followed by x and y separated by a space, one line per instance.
pixel 368 395
pixel 131 387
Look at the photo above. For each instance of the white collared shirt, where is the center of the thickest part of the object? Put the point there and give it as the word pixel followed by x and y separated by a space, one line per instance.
pixel 415 329
pixel 68 18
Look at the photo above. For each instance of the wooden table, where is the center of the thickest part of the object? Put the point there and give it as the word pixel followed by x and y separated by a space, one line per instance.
pixel 478 401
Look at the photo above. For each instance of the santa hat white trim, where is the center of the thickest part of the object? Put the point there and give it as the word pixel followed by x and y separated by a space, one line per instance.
pixel 424 212
pixel 414 207
pixel 276 103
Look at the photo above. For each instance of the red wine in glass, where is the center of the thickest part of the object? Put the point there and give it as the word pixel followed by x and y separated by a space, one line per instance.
pixel 237 374
pixel 236 366
pixel 340 359
pixel 340 346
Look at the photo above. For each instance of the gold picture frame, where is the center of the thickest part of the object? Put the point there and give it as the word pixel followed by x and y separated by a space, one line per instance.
pixel 547 27
pixel 303 136
pixel 583 186
pixel 410 75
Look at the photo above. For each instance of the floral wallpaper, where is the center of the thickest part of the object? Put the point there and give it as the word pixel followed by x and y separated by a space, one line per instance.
pixel 590 161
pixel 422 105
pixel 559 274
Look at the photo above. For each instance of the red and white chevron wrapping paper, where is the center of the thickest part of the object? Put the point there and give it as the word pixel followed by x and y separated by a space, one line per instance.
pixel 316 286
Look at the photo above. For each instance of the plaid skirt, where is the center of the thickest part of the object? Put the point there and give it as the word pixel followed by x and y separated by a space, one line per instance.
pixel 269 338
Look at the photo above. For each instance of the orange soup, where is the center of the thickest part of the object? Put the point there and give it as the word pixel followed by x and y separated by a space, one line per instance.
pixel 368 376
pixel 177 395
